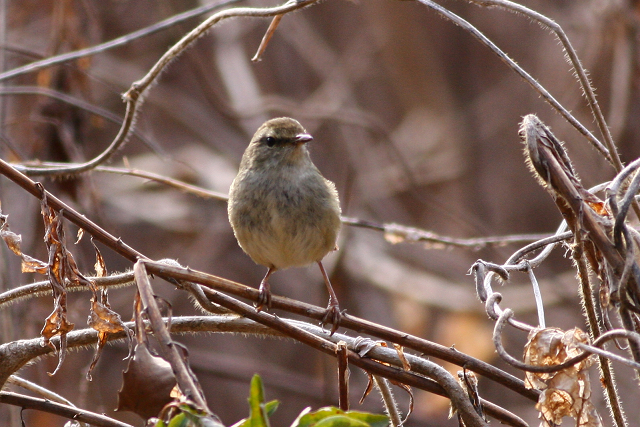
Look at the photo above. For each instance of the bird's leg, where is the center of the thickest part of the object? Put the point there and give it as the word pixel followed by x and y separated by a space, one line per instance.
pixel 264 292
pixel 332 315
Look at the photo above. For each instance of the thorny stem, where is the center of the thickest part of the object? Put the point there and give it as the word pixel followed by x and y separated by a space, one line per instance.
pixel 588 304
pixel 70 412
pixel 389 401
pixel 347 321
pixel 583 79
pixel 520 71
pixel 354 323
pixel 171 354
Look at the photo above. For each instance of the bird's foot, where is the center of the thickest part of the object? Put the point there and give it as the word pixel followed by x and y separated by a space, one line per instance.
pixel 332 315
pixel 264 297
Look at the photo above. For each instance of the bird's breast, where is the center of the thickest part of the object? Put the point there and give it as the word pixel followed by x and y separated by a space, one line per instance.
pixel 291 220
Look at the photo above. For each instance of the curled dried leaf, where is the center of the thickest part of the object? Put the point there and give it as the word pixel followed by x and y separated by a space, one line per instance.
pixel 100 265
pixel 147 384
pixel 105 321
pixel 13 242
pixel 405 363
pixel 469 383
pixel 566 393
pixel 80 235
pixel 11 239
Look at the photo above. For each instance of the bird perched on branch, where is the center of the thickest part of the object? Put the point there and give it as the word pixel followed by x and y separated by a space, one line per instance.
pixel 283 212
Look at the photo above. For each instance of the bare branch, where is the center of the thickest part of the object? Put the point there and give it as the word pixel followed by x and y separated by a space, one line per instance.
pixel 71 412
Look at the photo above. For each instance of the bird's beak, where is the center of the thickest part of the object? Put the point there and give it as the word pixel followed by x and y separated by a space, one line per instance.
pixel 303 138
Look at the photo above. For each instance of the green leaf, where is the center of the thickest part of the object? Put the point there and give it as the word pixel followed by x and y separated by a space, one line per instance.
pixel 340 421
pixel 270 407
pixel 180 420
pixel 334 417
pixel 259 412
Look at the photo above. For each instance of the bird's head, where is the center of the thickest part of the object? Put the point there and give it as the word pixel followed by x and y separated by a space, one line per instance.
pixel 278 141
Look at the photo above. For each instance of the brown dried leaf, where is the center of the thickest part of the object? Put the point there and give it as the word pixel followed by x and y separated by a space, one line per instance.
pixel 565 393
pixel 146 384
pixel 103 319
pixel 405 363
pixel 100 266
pixel 79 236
pixel 61 267
pixel 57 324
pixel 32 265
pixel 12 239
pixel 102 341
pixel 599 207
pixel 469 383
pixel 410 392
pixel 368 389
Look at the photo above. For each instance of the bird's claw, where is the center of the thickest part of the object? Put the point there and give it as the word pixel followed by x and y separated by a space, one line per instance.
pixel 264 299
pixel 332 315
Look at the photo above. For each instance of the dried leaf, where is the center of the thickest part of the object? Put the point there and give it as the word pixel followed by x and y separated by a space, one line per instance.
pixel 405 363
pixel 146 384
pixel 13 241
pixel 105 321
pixel 100 266
pixel 469 383
pixel 61 267
pixel 32 265
pixel 565 393
pixel 410 393
pixel 368 389
pixel 57 324
pixel 79 236
pixel 102 318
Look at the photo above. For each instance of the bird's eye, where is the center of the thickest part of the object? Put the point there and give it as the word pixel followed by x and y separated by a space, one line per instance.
pixel 270 141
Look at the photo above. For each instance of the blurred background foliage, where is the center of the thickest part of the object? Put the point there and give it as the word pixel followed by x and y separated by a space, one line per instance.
pixel 414 121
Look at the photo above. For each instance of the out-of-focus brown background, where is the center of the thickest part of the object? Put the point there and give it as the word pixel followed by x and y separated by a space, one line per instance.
pixel 414 121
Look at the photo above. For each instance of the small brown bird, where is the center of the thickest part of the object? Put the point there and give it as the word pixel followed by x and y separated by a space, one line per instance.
pixel 283 212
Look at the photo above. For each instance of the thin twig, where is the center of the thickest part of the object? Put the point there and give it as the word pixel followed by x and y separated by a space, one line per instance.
pixel 389 401
pixel 610 356
pixel 399 233
pixel 572 56
pixel 134 96
pixel 348 321
pixel 120 41
pixel 520 71
pixel 171 354
pixel 589 306
pixel 71 412
pixel 343 375
pixel 267 37
pixel 537 296
pixel 43 288
pixel 44 392
pixel 76 102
